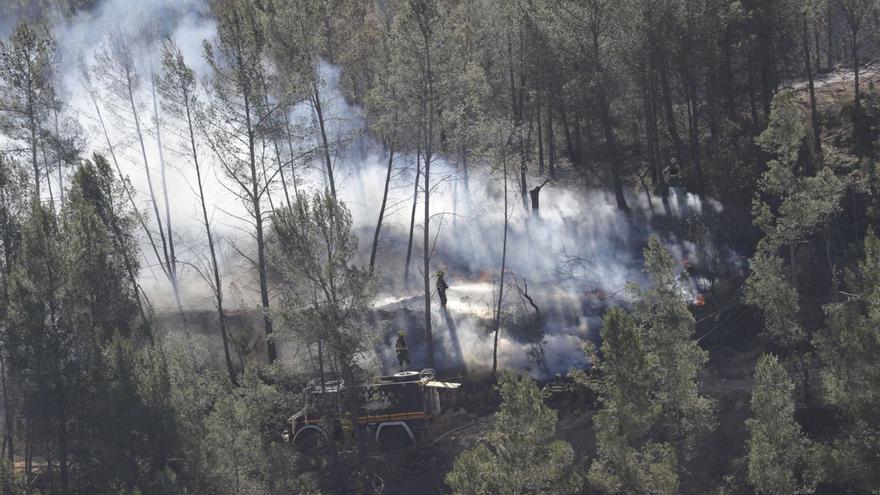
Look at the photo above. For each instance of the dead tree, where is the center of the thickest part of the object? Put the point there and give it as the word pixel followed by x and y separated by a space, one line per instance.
pixel 534 193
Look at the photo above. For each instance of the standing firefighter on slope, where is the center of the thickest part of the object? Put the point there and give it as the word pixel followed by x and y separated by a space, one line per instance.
pixel 441 288
pixel 400 347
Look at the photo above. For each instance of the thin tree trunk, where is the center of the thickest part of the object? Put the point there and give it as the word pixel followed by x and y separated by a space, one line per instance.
pixel 412 219
pixel 670 114
pixel 255 196
pixel 261 246
pixel 503 269
pixel 125 185
pixel 8 417
pixel 58 156
pixel 830 54
pixel 540 141
pixel 48 174
pixel 275 144
pixel 293 178
pixel 28 451
pixel 694 131
pixel 814 112
pixel 384 202
pixel 218 284
pixel 568 143
pixel 429 152
pixel 328 164
pixel 165 260
pixel 857 103
pixel 32 120
pixel 551 142
pixel 172 257
pixel 62 444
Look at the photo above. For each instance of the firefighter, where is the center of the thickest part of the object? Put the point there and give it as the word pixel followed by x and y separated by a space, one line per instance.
pixel 672 173
pixel 441 288
pixel 400 347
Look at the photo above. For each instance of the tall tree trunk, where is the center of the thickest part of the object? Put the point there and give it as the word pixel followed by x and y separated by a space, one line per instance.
pixel 614 159
pixel 58 155
pixel 857 102
pixel 293 178
pixel 325 145
pixel 165 260
pixel 62 443
pixel 753 106
pixel 275 144
pixel 384 202
pixel 125 187
pixel 32 125
pixel 814 112
pixel 694 131
pixel 258 221
pixel 830 15
pixel 650 126
pixel 429 152
pixel 8 417
pixel 540 140
pixel 727 78
pixel 503 269
pixel 218 283
pixel 412 218
pixel 172 257
pixel 670 113
pixel 551 142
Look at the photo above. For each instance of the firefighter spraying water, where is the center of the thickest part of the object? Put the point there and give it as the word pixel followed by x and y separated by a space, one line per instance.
pixel 441 288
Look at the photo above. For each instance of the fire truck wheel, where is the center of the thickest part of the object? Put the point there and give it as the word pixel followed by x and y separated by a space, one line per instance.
pixel 310 441
pixel 394 438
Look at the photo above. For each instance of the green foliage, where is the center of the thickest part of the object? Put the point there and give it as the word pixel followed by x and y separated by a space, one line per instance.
pixel 230 441
pixel 667 326
pixel 778 453
pixel 796 199
pixel 88 386
pixel 767 288
pixel 520 455
pixel 848 348
pixel 646 378
pixel 313 247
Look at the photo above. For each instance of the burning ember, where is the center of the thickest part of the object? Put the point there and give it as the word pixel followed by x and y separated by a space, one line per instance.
pixel 699 300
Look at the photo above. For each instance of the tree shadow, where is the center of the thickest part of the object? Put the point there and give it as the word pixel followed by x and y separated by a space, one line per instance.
pixel 457 359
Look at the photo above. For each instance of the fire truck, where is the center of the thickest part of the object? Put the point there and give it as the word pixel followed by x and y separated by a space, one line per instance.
pixel 395 410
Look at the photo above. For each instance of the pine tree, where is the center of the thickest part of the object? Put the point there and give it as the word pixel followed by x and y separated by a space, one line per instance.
pixel 234 128
pixel 26 85
pixel 520 455
pixel 848 349
pixel 327 294
pixel 777 450
pixel 625 380
pixel 647 380
pixel 179 91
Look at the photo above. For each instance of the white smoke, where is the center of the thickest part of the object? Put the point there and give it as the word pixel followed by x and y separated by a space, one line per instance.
pixel 576 257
